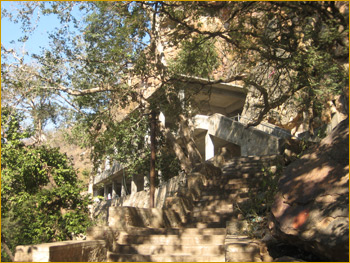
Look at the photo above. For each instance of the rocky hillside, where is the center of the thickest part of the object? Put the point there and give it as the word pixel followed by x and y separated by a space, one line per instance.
pixel 80 157
pixel 311 209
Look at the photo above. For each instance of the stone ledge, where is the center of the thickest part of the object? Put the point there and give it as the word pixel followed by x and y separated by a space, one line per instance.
pixel 244 249
pixel 74 251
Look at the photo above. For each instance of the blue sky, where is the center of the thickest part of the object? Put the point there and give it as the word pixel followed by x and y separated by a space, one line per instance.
pixel 11 31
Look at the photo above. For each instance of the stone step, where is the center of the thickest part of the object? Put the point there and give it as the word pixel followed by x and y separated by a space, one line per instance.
pixel 214 203
pixel 114 257
pixel 224 196
pixel 242 249
pixel 173 231
pixel 212 214
pixel 230 207
pixel 228 187
pixel 224 207
pixel 126 239
pixel 224 180
pixel 250 179
pixel 241 174
pixel 219 221
pixel 234 184
pixel 155 249
pixel 243 169
pixel 247 169
pixel 254 164
pixel 229 192
pixel 245 165
pixel 238 181
pixel 247 159
pixel 204 225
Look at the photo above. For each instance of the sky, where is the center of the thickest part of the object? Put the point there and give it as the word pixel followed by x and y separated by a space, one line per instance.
pixel 39 38
pixel 11 31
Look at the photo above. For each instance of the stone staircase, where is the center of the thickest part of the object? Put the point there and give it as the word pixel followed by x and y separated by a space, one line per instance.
pixel 171 245
pixel 211 233
pixel 240 178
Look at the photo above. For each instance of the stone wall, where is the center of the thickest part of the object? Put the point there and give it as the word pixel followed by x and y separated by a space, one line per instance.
pixel 73 251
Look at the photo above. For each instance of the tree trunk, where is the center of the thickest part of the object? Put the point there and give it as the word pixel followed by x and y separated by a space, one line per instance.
pixel 7 249
pixel 153 158
pixel 186 133
pixel 179 152
pixel 188 155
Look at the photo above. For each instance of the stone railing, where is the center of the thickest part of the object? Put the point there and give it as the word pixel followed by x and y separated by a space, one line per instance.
pixel 253 142
pixel 116 167
pixel 141 199
pixel 266 127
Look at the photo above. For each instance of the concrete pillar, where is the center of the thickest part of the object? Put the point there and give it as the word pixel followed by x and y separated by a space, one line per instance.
pixel 114 189
pixel 244 150
pixel 133 184
pixel 123 191
pixel 145 183
pixel 160 177
pixel 182 97
pixel 99 169
pixel 94 192
pixel 162 118
pixel 105 191
pixel 107 164
pixel 91 185
pixel 209 147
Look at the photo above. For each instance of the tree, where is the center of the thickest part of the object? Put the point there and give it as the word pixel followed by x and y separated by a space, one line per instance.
pixel 281 47
pixel 104 60
pixel 87 61
pixel 41 197
pixel 23 92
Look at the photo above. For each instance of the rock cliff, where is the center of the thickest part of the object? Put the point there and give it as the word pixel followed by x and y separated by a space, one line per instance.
pixel 312 207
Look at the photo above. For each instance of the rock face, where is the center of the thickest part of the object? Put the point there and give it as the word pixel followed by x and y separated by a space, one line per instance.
pixel 312 207
pixel 293 116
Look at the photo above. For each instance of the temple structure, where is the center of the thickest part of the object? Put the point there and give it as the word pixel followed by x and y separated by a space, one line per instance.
pixel 217 127
pixel 218 105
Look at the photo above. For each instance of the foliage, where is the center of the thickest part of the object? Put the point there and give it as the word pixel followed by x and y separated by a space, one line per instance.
pixel 107 53
pixel 127 142
pixel 41 198
pixel 255 211
pixel 25 92
pixel 197 57
pixel 281 47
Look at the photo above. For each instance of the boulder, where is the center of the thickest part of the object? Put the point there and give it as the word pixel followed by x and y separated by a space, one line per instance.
pixel 311 209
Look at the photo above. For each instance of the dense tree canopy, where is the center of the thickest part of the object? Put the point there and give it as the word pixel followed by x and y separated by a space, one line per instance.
pixel 105 54
pixel 299 45
pixel 282 47
pixel 41 197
